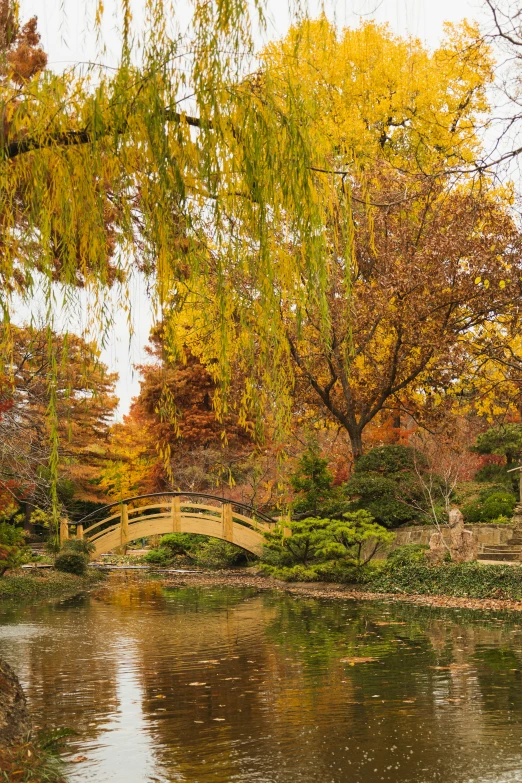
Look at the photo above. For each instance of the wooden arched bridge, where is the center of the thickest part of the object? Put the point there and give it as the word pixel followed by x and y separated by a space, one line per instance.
pixel 120 523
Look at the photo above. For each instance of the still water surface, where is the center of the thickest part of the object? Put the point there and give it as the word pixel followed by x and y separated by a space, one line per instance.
pixel 218 685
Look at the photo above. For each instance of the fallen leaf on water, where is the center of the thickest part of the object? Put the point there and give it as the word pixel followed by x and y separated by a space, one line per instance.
pixel 457 666
pixel 353 661
pixel 77 759
pixel 197 683
pixel 389 623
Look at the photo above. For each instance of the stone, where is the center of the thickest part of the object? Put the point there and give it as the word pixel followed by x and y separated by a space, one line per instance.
pixel 437 549
pixel 463 547
pixel 15 724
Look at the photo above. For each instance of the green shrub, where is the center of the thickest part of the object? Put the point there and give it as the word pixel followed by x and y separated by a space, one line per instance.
pixel 393 458
pixel 386 483
pixel 333 571
pixel 407 554
pixel 489 506
pixel 181 543
pixel 159 557
pixel 494 473
pixel 71 563
pixel 313 484
pixel 215 553
pixel 354 539
pixel 11 535
pixel 204 551
pixel 13 551
pixel 81 545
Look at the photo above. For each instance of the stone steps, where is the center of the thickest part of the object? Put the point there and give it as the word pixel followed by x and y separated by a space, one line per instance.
pixel 504 553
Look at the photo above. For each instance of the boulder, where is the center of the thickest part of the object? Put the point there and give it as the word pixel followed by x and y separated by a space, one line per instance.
pixel 463 547
pixel 15 725
pixel 437 549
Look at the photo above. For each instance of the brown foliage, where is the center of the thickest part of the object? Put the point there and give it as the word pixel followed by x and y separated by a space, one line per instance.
pixel 84 405
pixel 429 272
pixel 20 46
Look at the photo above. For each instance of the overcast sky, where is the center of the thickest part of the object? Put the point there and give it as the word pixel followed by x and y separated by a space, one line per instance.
pixel 68 37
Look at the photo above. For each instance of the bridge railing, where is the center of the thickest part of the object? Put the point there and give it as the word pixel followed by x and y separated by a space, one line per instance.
pixel 175 505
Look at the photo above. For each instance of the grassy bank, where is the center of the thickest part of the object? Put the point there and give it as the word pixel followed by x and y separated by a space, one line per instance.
pixel 31 764
pixel 46 583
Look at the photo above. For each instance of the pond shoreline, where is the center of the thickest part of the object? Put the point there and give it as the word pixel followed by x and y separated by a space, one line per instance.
pixel 44 584
pixel 333 591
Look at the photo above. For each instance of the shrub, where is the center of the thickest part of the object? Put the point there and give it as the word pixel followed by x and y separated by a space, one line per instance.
pixel 13 551
pixel 496 474
pixel 72 562
pixel 159 557
pixel 407 554
pixel 390 459
pixel 215 553
pixel 312 480
pixel 301 547
pixel 341 572
pixel 11 535
pixel 180 543
pixel 315 540
pixel 313 483
pixel 385 483
pixel 82 545
pixel 489 506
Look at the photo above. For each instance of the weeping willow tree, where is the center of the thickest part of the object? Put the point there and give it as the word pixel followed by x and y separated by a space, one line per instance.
pixel 224 180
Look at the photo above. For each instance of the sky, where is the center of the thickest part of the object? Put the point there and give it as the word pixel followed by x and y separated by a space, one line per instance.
pixel 68 36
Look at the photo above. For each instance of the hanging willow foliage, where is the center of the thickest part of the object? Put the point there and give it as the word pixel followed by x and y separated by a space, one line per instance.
pixel 103 174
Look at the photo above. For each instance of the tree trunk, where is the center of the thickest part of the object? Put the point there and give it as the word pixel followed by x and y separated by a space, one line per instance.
pixel 396 424
pixel 28 508
pixel 356 443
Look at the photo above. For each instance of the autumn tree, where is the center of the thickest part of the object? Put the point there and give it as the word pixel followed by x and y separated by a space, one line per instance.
pixel 173 436
pixel 419 271
pixel 83 392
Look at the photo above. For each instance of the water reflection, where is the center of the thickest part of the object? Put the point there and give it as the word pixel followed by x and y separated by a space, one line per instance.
pixel 218 685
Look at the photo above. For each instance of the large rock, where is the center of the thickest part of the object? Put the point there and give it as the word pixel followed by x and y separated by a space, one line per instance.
pixel 437 549
pixel 15 725
pixel 463 547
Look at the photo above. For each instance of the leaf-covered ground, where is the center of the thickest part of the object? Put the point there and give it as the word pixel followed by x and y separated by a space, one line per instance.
pixel 343 592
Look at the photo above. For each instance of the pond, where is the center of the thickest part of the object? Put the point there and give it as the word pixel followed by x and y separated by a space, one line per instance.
pixel 211 685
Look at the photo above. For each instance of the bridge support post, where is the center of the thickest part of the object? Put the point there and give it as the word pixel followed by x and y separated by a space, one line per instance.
pixel 124 525
pixel 79 532
pixel 175 512
pixel 64 530
pixel 228 530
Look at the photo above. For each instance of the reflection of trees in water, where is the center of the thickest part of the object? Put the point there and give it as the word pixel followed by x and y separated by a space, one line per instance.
pixel 434 676
pixel 68 666
pixel 272 685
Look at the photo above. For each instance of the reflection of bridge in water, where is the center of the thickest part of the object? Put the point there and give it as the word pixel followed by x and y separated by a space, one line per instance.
pixel 120 523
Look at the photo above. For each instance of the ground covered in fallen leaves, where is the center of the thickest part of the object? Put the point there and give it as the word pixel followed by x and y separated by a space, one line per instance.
pixel 247 578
